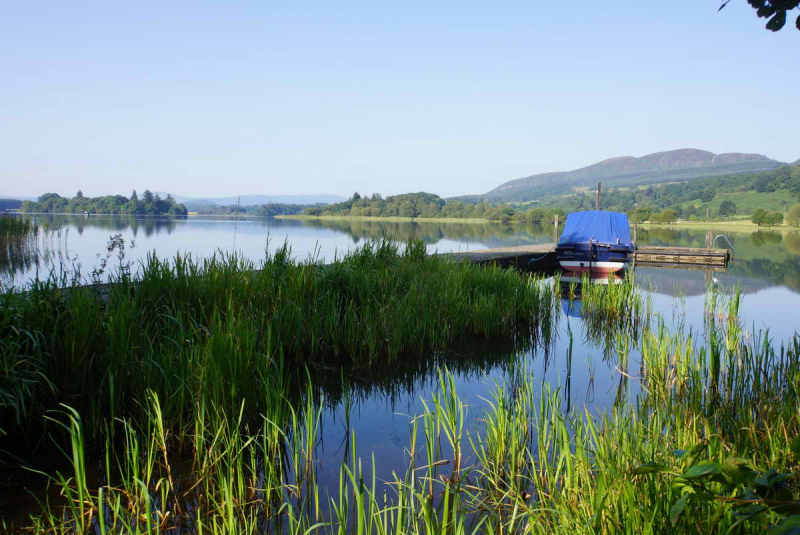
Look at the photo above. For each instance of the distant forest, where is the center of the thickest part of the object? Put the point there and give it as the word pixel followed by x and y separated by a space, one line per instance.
pixel 428 205
pixel 260 210
pixel 149 204
pixel 656 203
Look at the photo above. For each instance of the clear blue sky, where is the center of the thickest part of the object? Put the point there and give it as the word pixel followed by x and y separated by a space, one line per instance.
pixel 452 98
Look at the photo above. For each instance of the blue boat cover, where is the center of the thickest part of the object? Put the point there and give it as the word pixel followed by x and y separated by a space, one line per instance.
pixel 599 226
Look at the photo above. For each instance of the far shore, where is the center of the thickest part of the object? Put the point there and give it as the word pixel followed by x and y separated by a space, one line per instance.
pixel 739 225
pixel 395 219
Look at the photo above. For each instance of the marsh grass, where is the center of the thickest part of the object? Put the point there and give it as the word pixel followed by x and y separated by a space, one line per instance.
pixel 218 329
pixel 215 439
pixel 531 467
pixel 18 242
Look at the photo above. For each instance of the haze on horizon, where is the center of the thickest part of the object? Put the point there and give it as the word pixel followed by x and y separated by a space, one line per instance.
pixel 452 98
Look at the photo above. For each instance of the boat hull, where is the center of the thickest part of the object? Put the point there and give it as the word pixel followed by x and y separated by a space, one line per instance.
pixel 600 259
pixel 599 267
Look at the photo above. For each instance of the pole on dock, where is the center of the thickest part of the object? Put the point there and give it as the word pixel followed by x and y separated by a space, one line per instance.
pixel 709 239
pixel 635 235
pixel 599 185
pixel 555 229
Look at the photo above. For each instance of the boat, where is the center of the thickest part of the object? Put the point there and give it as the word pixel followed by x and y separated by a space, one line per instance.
pixel 593 278
pixel 595 242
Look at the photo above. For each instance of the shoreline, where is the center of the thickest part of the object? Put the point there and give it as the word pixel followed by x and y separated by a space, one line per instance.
pixel 739 226
pixel 386 218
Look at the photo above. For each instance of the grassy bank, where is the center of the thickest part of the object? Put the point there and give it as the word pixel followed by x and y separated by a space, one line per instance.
pixel 706 446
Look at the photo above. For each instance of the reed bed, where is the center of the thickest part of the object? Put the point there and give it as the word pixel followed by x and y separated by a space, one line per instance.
pixel 18 242
pixel 707 444
pixel 216 330
pixel 694 453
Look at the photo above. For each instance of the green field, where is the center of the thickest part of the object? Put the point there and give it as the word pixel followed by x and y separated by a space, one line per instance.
pixel 747 201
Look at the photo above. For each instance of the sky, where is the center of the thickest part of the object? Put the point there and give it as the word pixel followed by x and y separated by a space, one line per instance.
pixel 226 98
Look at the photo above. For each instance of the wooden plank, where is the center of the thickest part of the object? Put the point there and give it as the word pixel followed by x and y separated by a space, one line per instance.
pixel 681 259
pixel 648 248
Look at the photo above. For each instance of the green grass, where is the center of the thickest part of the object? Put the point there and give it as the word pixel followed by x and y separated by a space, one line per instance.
pixel 747 201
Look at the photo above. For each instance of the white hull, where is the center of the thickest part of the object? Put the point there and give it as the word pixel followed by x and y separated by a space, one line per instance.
pixel 596 267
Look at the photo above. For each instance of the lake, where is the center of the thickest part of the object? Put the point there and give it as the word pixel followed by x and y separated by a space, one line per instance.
pixel 766 266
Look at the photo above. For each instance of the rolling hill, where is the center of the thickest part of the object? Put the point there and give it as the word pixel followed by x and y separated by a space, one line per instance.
pixel 675 165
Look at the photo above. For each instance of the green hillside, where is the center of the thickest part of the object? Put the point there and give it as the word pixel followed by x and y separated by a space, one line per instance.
pixel 747 201
pixel 683 165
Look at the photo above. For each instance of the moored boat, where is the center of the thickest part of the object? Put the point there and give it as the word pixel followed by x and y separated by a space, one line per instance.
pixel 595 242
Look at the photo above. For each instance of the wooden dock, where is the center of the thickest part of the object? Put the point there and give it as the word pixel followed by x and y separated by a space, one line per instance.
pixel 682 257
pixel 543 256
pixel 526 257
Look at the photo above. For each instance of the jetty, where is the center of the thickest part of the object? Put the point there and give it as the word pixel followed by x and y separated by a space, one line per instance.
pixel 543 256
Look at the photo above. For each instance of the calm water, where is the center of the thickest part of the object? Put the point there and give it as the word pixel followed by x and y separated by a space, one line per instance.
pixel 766 265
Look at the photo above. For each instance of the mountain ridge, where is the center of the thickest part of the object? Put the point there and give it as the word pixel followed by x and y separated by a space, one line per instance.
pixel 681 164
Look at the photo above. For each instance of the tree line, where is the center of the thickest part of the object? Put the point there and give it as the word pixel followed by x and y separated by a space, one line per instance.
pixel 256 210
pixel 149 204
pixel 688 199
pixel 665 203
pixel 431 206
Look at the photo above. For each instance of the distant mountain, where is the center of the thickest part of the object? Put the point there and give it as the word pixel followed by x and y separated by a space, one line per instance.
pixel 250 200
pixel 675 165
pixel 19 198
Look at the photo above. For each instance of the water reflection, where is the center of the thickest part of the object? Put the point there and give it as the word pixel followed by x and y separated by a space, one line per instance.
pixel 761 259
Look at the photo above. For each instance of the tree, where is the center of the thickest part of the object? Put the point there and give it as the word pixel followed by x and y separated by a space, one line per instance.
pixel 666 216
pixel 758 216
pixel 727 208
pixel 407 210
pixel 640 215
pixel 147 196
pixel 707 195
pixel 773 218
pixel 793 216
pixel 774 10
pixel 79 195
pixel 48 196
pixel 134 197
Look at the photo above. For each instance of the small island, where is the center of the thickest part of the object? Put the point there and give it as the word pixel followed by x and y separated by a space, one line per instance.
pixel 150 204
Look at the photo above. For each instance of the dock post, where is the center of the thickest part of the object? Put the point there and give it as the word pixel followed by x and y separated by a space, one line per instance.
pixel 555 229
pixel 709 240
pixel 635 235
pixel 599 185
